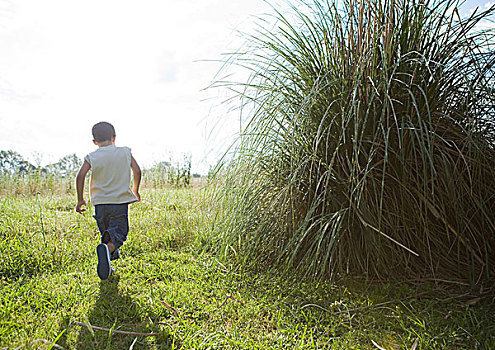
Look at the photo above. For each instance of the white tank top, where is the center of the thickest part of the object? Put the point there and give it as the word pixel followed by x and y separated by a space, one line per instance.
pixel 110 175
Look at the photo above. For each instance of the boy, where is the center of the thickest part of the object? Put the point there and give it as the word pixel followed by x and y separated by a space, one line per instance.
pixel 109 191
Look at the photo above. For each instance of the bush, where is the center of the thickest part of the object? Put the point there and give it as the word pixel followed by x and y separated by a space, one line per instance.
pixel 370 148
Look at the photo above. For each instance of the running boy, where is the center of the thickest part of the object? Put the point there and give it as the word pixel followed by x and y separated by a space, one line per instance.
pixel 109 191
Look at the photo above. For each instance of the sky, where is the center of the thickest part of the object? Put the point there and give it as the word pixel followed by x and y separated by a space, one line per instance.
pixel 141 65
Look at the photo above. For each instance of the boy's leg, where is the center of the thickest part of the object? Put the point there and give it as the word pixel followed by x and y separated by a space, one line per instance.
pixel 118 227
pixel 104 214
pixel 102 218
pixel 103 268
pixel 105 238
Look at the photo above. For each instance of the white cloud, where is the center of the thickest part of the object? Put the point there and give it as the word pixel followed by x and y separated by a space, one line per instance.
pixel 469 6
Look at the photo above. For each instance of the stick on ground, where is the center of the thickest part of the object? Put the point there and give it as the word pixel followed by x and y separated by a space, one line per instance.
pixel 116 331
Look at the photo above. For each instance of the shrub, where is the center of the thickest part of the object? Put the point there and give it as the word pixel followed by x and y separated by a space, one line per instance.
pixel 370 146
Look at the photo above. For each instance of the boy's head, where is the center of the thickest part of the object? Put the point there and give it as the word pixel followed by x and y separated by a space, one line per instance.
pixel 103 131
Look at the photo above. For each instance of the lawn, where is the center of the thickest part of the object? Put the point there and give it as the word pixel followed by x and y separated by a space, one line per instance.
pixel 170 293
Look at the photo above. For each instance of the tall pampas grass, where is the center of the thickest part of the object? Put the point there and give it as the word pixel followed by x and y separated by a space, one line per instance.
pixel 370 143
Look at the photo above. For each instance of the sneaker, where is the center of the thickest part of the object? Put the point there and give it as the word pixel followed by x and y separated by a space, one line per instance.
pixel 104 269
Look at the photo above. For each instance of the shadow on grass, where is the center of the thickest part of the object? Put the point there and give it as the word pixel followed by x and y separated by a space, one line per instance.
pixel 118 311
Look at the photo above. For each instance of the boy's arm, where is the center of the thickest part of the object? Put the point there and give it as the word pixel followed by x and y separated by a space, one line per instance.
pixel 136 171
pixel 81 176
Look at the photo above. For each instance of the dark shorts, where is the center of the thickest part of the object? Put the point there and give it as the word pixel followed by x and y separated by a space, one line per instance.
pixel 114 219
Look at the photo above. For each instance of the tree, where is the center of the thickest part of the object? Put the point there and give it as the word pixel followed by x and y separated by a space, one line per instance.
pixel 66 166
pixel 12 162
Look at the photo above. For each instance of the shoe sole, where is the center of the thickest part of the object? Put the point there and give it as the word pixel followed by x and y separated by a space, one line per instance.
pixel 103 269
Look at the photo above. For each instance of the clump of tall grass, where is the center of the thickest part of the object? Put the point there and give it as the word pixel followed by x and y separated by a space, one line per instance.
pixel 370 147
pixel 168 173
pixel 18 176
pixel 35 182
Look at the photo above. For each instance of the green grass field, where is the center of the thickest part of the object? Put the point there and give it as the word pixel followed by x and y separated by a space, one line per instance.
pixel 166 284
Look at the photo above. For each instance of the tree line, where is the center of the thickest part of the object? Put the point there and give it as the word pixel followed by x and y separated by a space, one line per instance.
pixel 12 163
pixel 177 173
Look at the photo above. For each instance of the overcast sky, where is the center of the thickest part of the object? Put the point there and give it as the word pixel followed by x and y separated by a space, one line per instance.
pixel 141 65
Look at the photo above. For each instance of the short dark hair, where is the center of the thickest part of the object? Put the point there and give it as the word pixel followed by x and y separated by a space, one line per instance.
pixel 103 131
